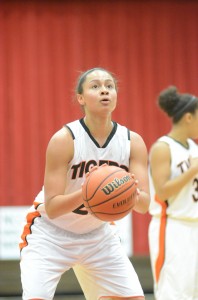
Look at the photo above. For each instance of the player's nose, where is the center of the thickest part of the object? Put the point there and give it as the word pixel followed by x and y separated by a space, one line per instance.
pixel 104 91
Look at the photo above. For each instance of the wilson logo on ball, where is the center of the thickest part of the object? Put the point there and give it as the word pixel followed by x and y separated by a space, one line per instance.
pixel 115 184
pixel 108 193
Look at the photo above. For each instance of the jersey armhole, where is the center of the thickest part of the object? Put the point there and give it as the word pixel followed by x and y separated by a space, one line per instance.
pixel 72 134
pixel 128 134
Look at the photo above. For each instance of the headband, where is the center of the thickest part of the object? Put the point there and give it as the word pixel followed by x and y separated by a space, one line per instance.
pixel 183 109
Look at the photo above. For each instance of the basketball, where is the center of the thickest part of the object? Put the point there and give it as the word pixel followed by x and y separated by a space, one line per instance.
pixel 109 193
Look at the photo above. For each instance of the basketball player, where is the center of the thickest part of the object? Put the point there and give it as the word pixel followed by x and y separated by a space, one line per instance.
pixel 60 234
pixel 173 231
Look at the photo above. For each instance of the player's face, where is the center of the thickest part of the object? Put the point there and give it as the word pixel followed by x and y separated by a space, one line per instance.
pixel 99 92
pixel 194 126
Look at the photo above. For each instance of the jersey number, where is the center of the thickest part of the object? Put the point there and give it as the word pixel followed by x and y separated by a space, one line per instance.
pixel 195 196
pixel 80 210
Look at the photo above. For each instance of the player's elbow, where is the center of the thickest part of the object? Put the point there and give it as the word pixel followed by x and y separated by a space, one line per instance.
pixel 162 194
pixel 51 213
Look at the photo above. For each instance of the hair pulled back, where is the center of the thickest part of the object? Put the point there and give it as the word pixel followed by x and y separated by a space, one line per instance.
pixel 83 76
pixel 175 105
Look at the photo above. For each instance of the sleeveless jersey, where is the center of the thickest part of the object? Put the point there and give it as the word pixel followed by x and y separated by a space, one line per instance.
pixel 88 153
pixel 184 205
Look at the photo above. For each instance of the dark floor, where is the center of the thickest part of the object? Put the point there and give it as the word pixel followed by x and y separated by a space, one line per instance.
pixel 68 297
pixel 10 283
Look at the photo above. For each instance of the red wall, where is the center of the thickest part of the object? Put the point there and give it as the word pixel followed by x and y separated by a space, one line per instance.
pixel 43 46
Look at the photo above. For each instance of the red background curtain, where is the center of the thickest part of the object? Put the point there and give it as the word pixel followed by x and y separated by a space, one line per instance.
pixel 43 47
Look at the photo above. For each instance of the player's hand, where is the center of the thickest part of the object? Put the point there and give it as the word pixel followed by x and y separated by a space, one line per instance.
pixel 136 193
pixel 94 168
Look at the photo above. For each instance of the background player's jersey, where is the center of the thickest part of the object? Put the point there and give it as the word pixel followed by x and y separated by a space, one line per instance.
pixel 184 205
pixel 88 153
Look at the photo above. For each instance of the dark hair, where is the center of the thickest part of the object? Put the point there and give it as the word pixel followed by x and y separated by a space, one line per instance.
pixel 175 105
pixel 83 76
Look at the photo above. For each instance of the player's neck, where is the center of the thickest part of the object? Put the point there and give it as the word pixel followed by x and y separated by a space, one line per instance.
pixel 179 135
pixel 99 127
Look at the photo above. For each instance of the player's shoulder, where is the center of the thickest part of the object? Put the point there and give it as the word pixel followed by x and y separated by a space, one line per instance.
pixel 193 143
pixel 74 124
pixel 62 137
pixel 62 134
pixel 135 135
pixel 160 146
pixel 60 146
pixel 136 138
pixel 137 144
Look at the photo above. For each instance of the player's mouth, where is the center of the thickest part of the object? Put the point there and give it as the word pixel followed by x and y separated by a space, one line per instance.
pixel 105 100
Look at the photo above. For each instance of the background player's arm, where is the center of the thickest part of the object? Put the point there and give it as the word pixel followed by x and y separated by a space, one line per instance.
pixel 59 153
pixel 139 167
pixel 160 162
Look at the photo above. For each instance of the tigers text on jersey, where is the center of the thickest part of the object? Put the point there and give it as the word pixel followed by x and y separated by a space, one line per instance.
pixel 88 153
pixel 184 205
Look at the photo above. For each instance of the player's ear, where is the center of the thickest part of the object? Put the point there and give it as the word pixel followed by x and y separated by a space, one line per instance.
pixel 80 99
pixel 188 117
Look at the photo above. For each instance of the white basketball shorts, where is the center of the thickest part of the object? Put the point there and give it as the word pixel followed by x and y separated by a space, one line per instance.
pixel 178 278
pixel 98 259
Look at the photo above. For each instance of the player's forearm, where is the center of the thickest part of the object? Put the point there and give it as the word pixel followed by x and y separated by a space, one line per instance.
pixel 63 204
pixel 174 186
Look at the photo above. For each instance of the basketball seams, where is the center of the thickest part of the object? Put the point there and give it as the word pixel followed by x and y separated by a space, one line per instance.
pixel 119 190
pixel 87 186
pixel 111 214
pixel 98 213
pixel 123 191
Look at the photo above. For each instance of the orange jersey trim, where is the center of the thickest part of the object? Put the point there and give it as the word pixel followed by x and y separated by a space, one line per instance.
pixel 161 253
pixel 27 228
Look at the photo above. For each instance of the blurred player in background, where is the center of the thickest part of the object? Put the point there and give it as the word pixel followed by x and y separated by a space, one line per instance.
pixel 60 234
pixel 173 231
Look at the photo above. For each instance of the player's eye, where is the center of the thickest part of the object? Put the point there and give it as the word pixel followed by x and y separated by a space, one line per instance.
pixel 95 86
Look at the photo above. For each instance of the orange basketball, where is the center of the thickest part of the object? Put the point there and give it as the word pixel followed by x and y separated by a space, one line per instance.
pixel 109 193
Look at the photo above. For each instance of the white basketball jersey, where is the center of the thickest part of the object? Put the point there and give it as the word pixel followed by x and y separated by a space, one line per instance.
pixel 184 205
pixel 88 153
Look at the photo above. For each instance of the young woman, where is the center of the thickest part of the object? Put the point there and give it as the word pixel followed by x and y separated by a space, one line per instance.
pixel 173 231
pixel 60 234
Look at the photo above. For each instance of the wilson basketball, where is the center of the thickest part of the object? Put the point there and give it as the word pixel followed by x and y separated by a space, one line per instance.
pixel 109 193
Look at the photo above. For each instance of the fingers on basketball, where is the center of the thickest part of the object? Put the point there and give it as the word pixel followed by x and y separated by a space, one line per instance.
pixel 109 193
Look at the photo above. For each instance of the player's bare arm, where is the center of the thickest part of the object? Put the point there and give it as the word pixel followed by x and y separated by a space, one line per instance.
pixel 59 153
pixel 160 167
pixel 139 167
